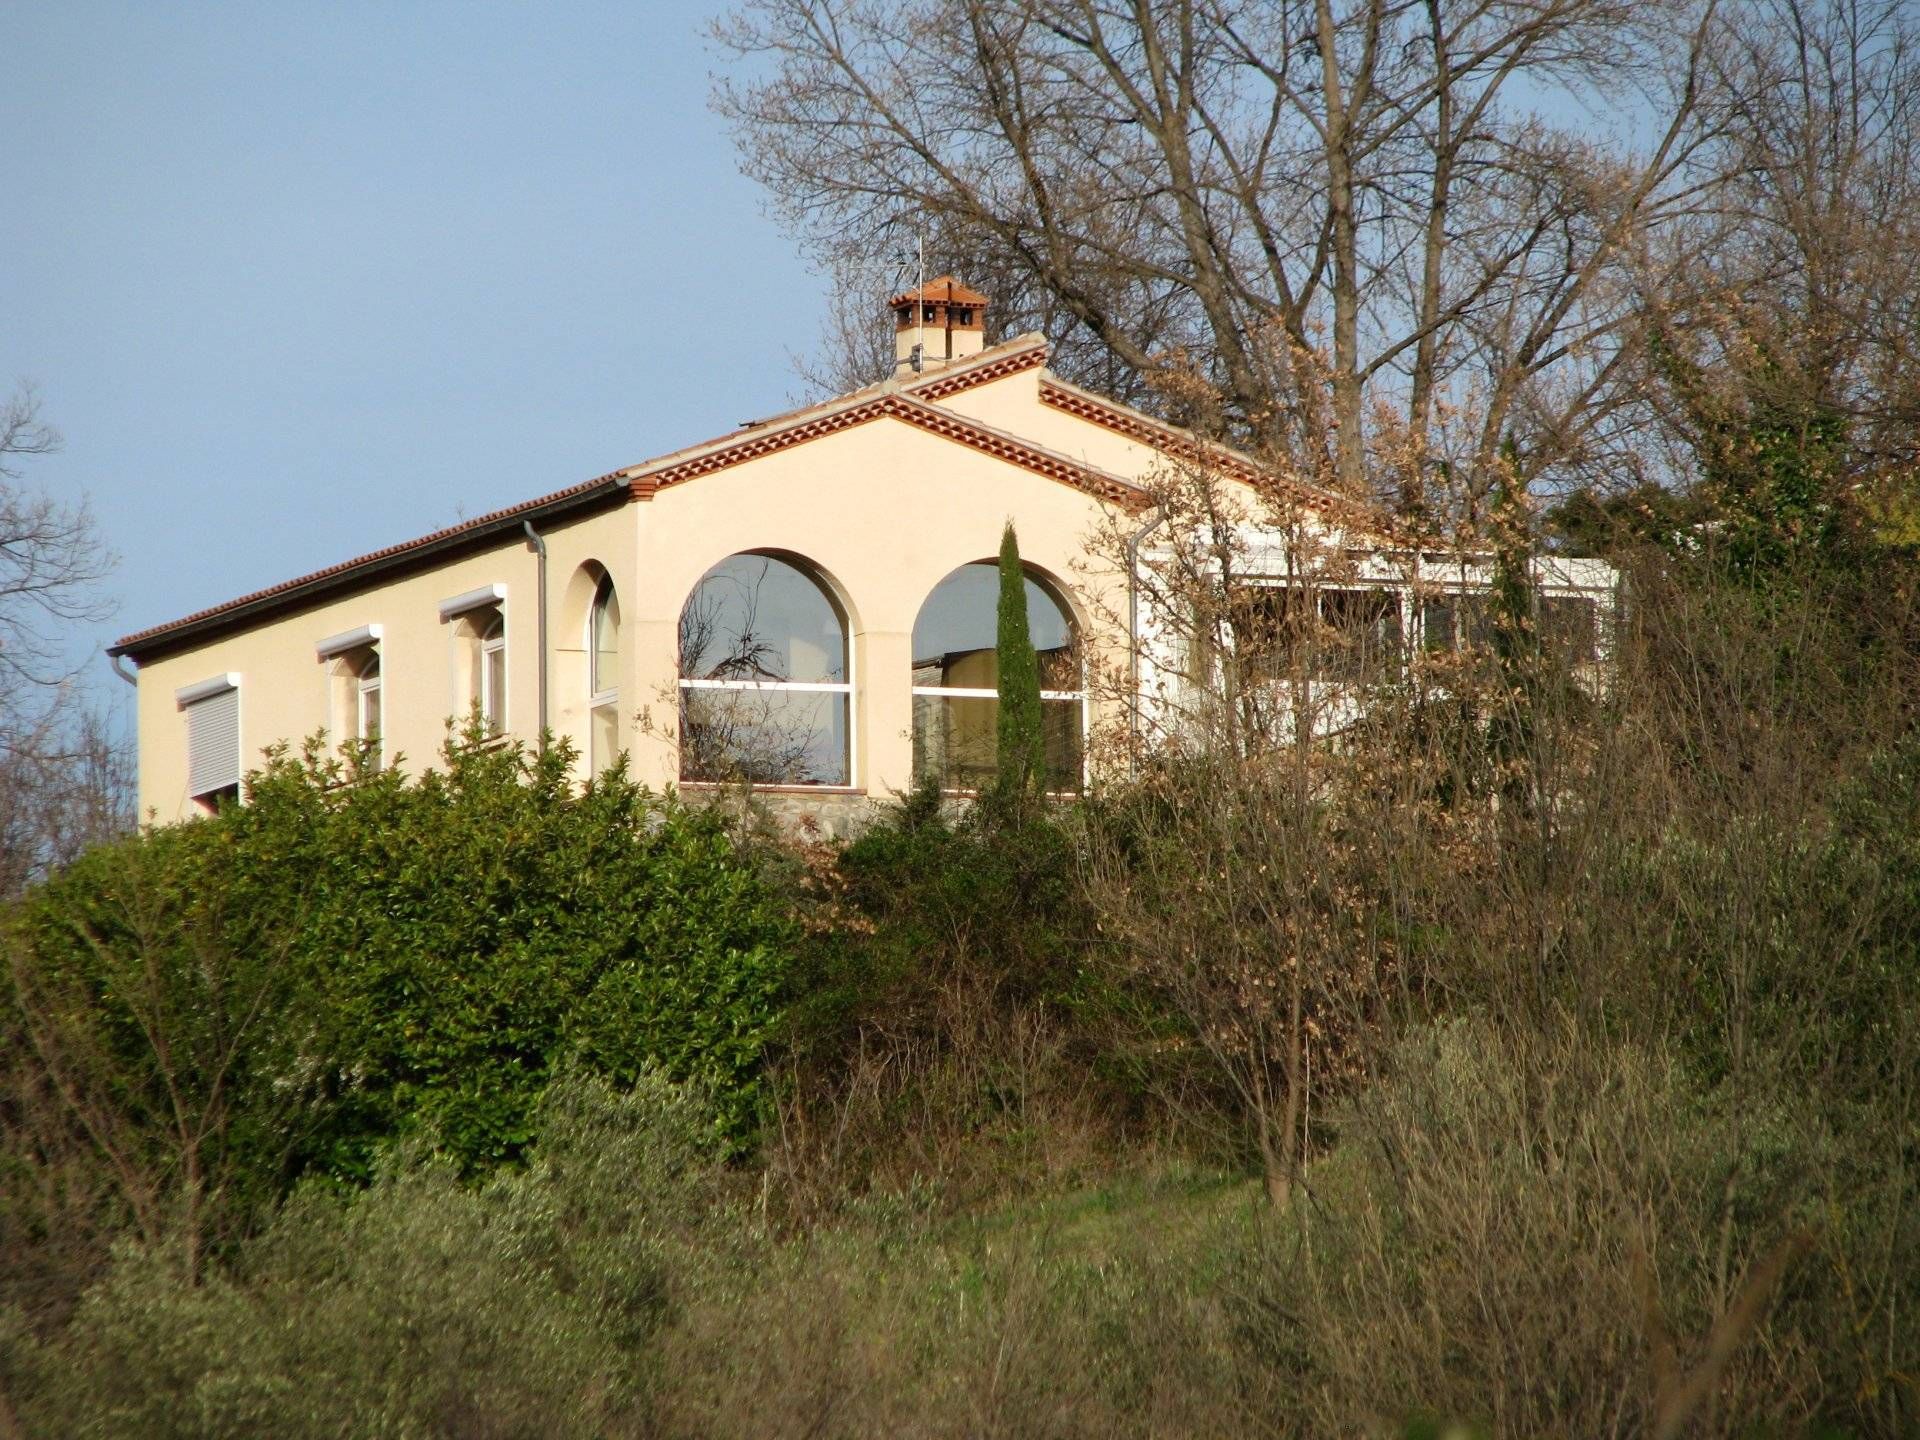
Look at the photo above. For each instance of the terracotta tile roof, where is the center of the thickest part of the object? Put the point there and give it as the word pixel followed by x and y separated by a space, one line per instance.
pixel 1011 358
pixel 601 487
pixel 808 425
pixel 944 291
pixel 1024 352
pixel 1183 444
pixel 891 399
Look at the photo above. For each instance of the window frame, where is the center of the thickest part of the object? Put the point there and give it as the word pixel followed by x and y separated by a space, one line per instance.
pixel 1317 592
pixel 493 691
pixel 602 702
pixel 976 692
pixel 186 699
pixel 817 577
pixel 475 616
pixel 347 657
pixel 368 695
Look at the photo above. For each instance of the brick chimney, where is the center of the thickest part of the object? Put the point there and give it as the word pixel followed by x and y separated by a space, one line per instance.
pixel 945 316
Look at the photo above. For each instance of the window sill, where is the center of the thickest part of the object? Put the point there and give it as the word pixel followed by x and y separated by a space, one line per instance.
pixel 714 787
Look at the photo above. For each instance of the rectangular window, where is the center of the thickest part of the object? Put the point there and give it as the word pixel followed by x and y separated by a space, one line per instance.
pixel 1567 628
pixel 212 710
pixel 1345 636
pixel 493 679
pixel 766 734
pixel 956 739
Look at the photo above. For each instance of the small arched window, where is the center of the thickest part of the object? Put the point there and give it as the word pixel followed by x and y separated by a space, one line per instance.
pixel 956 681
pixel 603 676
pixel 353 680
pixel 765 681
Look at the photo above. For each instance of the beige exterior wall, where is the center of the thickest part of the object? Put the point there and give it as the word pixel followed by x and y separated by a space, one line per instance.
pixel 1013 405
pixel 883 511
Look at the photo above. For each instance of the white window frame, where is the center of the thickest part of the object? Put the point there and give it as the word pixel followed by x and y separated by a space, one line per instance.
pixel 340 650
pixel 1412 617
pixel 493 708
pixel 973 692
pixel 601 699
pixel 805 687
pixel 463 607
pixel 368 687
pixel 185 699
pixel 813 687
pixel 969 692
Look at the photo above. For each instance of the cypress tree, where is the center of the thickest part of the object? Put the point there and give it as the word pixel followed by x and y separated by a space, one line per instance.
pixel 1516 637
pixel 1022 749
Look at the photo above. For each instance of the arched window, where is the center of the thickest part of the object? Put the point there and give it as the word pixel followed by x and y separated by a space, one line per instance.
pixel 765 682
pixel 353 680
pixel 956 681
pixel 603 676
pixel 479 655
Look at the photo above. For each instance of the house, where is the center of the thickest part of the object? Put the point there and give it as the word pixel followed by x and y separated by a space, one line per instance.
pixel 807 603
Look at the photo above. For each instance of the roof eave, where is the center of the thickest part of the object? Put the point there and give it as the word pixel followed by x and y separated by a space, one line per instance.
pixel 162 640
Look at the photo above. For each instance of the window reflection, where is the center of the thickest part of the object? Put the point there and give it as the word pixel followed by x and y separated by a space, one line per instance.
pixel 765 694
pixel 603 677
pixel 1342 636
pixel 956 681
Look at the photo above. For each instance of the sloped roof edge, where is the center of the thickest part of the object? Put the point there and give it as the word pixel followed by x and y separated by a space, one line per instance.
pixel 599 491
pixel 640 481
pixel 677 469
pixel 1138 426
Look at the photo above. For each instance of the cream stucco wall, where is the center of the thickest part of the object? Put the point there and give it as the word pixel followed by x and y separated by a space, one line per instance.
pixel 1013 405
pixel 284 688
pixel 883 511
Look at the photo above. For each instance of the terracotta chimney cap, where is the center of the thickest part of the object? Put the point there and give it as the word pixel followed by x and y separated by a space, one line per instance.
pixel 944 291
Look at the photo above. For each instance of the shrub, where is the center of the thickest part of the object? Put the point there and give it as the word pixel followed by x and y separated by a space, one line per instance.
pixel 218 1008
pixel 948 1028
pixel 1473 1247
pixel 423 1306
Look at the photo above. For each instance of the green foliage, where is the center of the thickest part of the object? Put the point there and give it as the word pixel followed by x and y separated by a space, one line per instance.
pixel 928 896
pixel 1772 454
pixel 423 1306
pixel 1586 522
pixel 355 956
pixel 1022 749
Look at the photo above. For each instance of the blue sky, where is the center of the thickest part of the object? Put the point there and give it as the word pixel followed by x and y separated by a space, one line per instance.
pixel 298 280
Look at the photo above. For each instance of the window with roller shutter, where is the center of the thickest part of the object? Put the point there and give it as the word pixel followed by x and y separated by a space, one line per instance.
pixel 212 710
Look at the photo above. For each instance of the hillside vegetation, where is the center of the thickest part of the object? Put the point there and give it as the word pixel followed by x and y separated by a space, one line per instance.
pixel 1538 1058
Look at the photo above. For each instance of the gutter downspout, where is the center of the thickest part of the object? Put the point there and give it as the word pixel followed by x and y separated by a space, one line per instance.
pixel 119 669
pixel 539 546
pixel 1134 542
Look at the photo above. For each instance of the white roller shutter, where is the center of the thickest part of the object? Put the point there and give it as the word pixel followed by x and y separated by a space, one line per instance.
pixel 213 734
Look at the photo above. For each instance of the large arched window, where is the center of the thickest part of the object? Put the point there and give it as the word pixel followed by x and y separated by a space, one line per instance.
pixel 603 676
pixel 956 679
pixel 765 684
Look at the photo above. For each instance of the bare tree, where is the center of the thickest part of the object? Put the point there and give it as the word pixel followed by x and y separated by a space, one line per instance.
pixel 62 774
pixel 1788 353
pixel 1383 198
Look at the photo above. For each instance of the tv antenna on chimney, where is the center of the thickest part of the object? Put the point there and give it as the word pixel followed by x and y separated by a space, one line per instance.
pixel 920 302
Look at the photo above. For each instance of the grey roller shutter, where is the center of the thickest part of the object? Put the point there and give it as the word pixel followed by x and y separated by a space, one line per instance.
pixel 213 741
